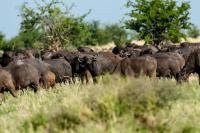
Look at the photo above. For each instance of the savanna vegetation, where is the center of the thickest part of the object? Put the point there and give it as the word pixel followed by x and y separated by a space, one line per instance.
pixel 51 25
pixel 159 21
pixel 193 31
pixel 113 105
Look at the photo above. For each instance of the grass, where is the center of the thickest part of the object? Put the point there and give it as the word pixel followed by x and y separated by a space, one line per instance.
pixel 114 105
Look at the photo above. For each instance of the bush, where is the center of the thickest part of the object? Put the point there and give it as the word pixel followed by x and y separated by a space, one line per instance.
pixel 3 43
pixel 27 40
pixel 118 34
pixel 105 34
pixel 193 32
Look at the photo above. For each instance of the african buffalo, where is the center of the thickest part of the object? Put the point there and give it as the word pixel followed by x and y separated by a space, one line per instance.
pixel 99 63
pixel 184 49
pixel 7 57
pixel 135 66
pixel 6 82
pixel 61 68
pixel 42 68
pixel 192 66
pixel 169 64
pixel 24 75
pixel 85 49
pixel 51 79
pixel 148 49
pixel 133 50
pixel 127 50
pixel 47 54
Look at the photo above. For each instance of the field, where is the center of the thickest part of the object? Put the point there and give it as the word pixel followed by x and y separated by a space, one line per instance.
pixel 113 105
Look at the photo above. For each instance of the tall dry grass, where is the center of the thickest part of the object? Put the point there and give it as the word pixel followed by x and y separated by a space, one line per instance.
pixel 113 105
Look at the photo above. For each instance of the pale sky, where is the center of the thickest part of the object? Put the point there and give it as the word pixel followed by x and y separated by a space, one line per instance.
pixel 107 11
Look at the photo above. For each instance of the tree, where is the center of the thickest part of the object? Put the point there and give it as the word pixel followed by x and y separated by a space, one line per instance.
pixel 118 34
pixel 3 42
pixel 53 19
pixel 193 32
pixel 158 21
pixel 2 38
pixel 27 40
pixel 98 35
pixel 103 34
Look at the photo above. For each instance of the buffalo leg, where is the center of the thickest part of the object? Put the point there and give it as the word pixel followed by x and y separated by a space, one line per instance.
pixel 95 79
pixel 82 78
pixel 129 72
pixel 11 89
pixel 74 78
pixel 35 86
pixel 87 76
pixel 199 77
pixel 44 82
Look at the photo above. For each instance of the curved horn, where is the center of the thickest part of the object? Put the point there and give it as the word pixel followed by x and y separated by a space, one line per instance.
pixel 79 59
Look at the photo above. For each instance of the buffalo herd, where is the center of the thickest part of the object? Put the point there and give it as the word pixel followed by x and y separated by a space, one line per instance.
pixel 44 68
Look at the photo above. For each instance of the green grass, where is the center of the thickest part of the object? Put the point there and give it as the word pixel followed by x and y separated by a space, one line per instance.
pixel 113 105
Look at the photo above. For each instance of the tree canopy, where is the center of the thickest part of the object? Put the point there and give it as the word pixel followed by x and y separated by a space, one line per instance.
pixel 54 20
pixel 2 37
pixel 159 21
pixel 107 33
pixel 60 29
pixel 50 24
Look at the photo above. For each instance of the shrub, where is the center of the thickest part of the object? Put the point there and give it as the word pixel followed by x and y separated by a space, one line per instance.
pixel 193 32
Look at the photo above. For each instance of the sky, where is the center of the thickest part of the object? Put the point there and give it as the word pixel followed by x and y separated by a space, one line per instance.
pixel 106 11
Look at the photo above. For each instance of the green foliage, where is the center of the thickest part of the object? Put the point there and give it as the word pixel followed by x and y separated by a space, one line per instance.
pixel 4 44
pixel 119 34
pixel 75 31
pixel 49 24
pixel 193 32
pixel 27 40
pixel 158 21
pixel 2 38
pixel 104 34
pixel 2 41
pixel 54 20
pixel 98 34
